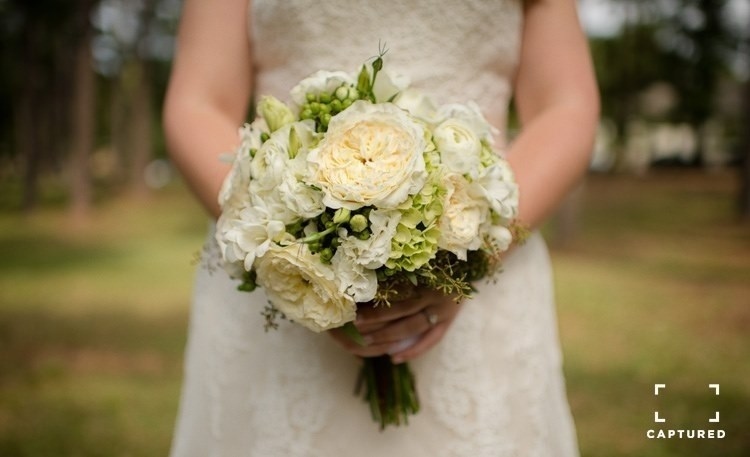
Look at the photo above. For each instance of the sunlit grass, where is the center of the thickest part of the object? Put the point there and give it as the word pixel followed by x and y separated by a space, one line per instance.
pixel 653 289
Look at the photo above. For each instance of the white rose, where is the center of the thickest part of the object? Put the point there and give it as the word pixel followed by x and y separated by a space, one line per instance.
pixel 303 288
pixel 500 189
pixel 459 145
pixel 464 212
pixel 373 252
pixel 319 82
pixel 371 155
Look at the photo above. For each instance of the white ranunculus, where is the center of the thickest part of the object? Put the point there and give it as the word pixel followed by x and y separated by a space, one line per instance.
pixel 418 105
pixel 459 145
pixel 502 236
pixel 303 288
pixel 358 282
pixel 320 82
pixel 471 115
pixel 271 161
pixel 464 211
pixel 234 190
pixel 373 252
pixel 500 190
pixel 371 155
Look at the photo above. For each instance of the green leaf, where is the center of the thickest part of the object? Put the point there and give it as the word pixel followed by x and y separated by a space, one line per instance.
pixel 352 332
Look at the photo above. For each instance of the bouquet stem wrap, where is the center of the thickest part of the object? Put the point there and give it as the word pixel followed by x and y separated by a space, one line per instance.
pixel 389 389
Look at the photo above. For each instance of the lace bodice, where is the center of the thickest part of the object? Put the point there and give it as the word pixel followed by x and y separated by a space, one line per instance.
pixel 454 50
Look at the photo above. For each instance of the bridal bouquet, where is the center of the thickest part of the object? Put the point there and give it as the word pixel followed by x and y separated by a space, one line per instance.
pixel 357 191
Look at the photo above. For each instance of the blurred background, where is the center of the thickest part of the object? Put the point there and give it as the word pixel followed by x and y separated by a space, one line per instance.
pixel 98 235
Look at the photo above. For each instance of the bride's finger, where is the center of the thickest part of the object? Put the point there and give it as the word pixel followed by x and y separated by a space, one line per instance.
pixel 402 329
pixel 379 314
pixel 428 340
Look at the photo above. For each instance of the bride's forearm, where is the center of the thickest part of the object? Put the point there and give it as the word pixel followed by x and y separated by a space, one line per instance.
pixel 196 138
pixel 550 156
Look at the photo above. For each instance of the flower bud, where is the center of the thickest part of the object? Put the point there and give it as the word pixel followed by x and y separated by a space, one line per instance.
pixel 336 106
pixel 342 93
pixel 364 235
pixel 341 216
pixel 325 119
pixel 325 97
pixel 264 136
pixel 294 143
pixel 310 97
pixel 363 80
pixel 326 255
pixel 358 223
pixel 275 112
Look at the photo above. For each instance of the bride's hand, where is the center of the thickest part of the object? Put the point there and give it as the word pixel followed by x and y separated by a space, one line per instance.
pixel 405 330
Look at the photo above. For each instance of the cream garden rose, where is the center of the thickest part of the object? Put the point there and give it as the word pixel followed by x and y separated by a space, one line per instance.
pixel 372 155
pixel 303 288
pixel 464 211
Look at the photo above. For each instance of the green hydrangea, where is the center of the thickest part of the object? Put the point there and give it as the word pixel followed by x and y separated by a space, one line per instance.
pixel 416 238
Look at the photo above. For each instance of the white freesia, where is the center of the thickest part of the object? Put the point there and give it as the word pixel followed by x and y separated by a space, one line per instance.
pixel 388 85
pixel 248 234
pixel 320 82
pixel 418 105
pixel 373 252
pixel 459 145
pixel 372 155
pixel 356 281
pixel 303 288
pixel 464 212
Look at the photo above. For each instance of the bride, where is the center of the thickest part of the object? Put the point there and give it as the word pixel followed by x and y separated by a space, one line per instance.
pixel 489 369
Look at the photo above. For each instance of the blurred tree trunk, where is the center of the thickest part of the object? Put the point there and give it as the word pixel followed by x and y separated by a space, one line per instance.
pixel 27 143
pixel 744 200
pixel 82 141
pixel 140 128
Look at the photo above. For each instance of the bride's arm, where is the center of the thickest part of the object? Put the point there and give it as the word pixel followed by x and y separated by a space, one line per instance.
pixel 208 93
pixel 557 101
pixel 558 105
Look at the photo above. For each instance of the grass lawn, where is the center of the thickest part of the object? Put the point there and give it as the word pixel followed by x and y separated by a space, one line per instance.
pixel 653 289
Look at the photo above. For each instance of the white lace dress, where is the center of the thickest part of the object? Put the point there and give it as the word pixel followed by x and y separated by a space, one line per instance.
pixel 492 387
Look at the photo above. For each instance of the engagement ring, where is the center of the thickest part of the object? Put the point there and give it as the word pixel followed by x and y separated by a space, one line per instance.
pixel 432 318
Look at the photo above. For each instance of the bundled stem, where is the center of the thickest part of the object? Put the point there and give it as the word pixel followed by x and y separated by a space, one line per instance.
pixel 390 390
